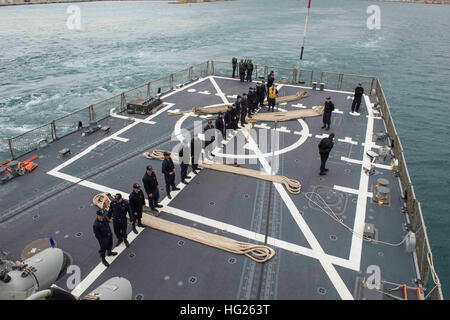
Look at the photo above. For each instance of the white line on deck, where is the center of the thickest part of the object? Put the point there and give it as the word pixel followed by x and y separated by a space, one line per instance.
pixel 367 163
pixel 120 139
pixel 352 191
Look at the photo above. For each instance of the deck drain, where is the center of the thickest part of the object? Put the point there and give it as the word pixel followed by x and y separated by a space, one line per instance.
pixel 181 243
pixel 212 203
pixel 81 207
pixel 380 254
pixel 132 255
pixel 322 291
pixel 139 296
pixel 78 234
pixel 297 160
pixel 36 216
pixel 232 260
pixel 246 196
pixel 333 237
pixel 192 280
pixel 36 190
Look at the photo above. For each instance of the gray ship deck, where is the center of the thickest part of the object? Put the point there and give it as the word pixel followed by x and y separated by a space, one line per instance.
pixel 316 258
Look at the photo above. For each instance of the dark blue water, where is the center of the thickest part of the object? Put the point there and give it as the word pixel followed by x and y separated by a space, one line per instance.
pixel 47 70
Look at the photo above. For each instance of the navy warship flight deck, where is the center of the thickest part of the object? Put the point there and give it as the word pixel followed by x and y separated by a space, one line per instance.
pixel 265 226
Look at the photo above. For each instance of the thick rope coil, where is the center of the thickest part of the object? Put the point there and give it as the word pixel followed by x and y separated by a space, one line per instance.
pixel 299 95
pixel 293 186
pixel 258 253
pixel 203 110
pixel 286 115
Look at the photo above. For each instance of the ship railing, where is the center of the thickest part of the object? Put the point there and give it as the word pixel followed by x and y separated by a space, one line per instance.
pixel 46 133
pixel 331 80
pixel 41 136
pixel 413 207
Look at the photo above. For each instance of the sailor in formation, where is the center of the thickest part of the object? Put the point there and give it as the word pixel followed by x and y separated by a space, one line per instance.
pixel 102 232
pixel 359 91
pixel 261 93
pixel 249 70
pixel 329 107
pixel 244 109
pixel 270 79
pixel 196 151
pixel 325 146
pixel 209 134
pixel 220 125
pixel 229 118
pixel 242 69
pixel 118 210
pixel 252 101
pixel 151 187
pixel 168 169
pixel 234 64
pixel 183 155
pixel 137 202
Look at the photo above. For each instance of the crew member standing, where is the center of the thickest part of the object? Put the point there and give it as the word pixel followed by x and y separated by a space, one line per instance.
pixel 137 202
pixel 229 118
pixel 234 64
pixel 359 91
pixel 329 107
pixel 103 233
pixel 168 169
pixel 325 146
pixel 118 210
pixel 183 155
pixel 272 97
pixel 242 71
pixel 244 109
pixel 252 101
pixel 270 79
pixel 235 117
pixel 249 70
pixel 151 189
pixel 209 134
pixel 220 124
pixel 196 151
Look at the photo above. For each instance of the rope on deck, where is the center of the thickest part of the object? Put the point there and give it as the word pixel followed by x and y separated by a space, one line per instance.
pixel 293 186
pixel 286 115
pixel 258 253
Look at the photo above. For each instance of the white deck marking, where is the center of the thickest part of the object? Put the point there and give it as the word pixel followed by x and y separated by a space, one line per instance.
pixel 360 216
pixel 376 165
pixel 323 135
pixel 219 91
pixel 348 140
pixel 352 191
pixel 206 92
pixel 338 111
pixel 298 105
pixel 326 263
pixel 120 139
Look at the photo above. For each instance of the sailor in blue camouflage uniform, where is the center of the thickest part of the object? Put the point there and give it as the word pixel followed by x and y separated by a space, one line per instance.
pixel 168 169
pixel 118 210
pixel 244 109
pixel 102 232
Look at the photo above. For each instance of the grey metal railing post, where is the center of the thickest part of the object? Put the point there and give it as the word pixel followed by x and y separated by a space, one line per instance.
pixel 212 67
pixel 191 73
pixel 122 101
pixel 266 71
pixel 53 130
pixel 11 148
pixel 311 78
pixel 149 89
pixel 171 81
pixel 294 75
pixel 91 113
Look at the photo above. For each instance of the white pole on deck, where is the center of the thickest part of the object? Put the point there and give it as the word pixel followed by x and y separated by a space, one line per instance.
pixel 303 43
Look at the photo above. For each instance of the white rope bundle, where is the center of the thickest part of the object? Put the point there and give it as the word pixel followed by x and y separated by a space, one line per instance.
pixel 293 186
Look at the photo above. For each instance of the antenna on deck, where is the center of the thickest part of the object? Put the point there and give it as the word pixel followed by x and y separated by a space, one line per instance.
pixel 303 43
